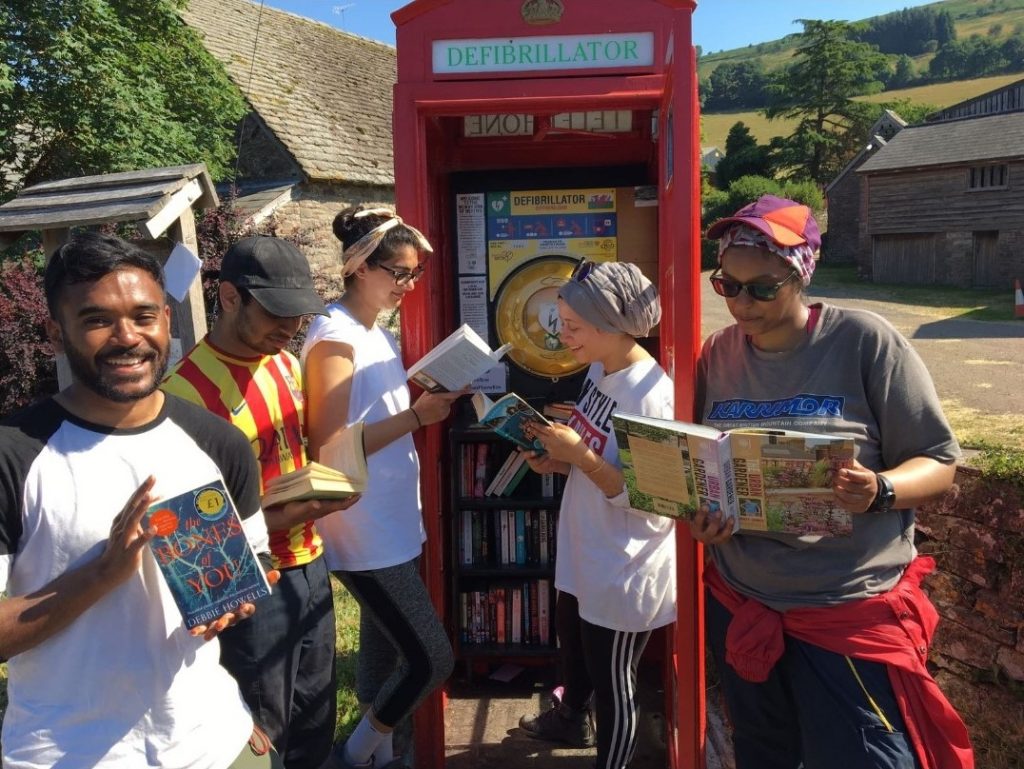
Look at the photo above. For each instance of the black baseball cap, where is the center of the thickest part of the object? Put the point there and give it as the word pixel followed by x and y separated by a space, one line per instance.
pixel 276 274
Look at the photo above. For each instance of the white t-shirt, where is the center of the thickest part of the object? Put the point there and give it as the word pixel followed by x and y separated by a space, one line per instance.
pixel 619 562
pixel 124 685
pixel 385 527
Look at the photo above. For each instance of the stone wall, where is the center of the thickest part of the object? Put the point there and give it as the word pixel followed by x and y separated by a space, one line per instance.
pixel 313 208
pixel 976 534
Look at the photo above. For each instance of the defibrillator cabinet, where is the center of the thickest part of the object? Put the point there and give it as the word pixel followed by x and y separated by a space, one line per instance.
pixel 529 135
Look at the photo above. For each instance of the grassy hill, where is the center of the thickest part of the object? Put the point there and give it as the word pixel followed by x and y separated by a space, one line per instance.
pixel 715 126
pixel 995 18
pixel 970 17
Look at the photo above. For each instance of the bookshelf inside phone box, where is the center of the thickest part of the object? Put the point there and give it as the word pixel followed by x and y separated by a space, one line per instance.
pixel 515 173
pixel 503 518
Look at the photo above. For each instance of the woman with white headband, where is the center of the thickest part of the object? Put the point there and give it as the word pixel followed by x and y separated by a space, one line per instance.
pixel 354 373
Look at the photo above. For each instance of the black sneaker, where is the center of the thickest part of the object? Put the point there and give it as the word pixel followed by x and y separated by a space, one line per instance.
pixel 561 724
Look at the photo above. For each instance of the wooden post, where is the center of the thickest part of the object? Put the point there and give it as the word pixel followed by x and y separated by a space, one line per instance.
pixel 52 240
pixel 188 317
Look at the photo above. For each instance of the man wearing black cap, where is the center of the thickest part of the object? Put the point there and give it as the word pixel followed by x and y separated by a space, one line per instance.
pixel 284 661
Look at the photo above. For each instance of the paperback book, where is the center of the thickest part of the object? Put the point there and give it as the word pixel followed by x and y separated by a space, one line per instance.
pixel 202 551
pixel 764 480
pixel 508 417
pixel 342 474
pixel 461 358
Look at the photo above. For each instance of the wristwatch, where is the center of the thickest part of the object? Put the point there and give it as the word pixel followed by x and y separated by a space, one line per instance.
pixel 885 497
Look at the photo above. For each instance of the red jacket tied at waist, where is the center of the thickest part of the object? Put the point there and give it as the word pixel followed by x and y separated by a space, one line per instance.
pixel 894 628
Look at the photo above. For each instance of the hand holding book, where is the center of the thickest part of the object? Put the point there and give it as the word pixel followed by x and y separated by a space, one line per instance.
pixel 712 527
pixel 757 480
pixel 200 546
pixel 232 618
pixel 560 441
pixel 433 407
pixel 508 417
pixel 455 362
pixel 342 475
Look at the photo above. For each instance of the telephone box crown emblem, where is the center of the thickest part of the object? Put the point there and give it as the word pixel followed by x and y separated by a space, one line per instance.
pixel 542 11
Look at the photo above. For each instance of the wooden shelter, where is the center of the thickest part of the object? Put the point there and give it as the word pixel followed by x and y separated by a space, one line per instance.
pixel 158 201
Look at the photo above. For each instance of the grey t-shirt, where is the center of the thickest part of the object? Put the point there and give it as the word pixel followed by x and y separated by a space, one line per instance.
pixel 856 376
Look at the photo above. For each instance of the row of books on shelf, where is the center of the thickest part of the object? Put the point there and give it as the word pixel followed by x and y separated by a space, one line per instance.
pixel 494 538
pixel 508 613
pixel 490 470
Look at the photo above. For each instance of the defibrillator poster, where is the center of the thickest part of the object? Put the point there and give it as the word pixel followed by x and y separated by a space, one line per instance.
pixel 525 224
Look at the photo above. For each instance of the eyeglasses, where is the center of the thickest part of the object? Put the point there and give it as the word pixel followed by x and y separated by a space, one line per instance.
pixel 402 277
pixel 762 292
pixel 582 269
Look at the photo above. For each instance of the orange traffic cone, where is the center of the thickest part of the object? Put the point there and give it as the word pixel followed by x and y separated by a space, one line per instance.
pixel 1018 300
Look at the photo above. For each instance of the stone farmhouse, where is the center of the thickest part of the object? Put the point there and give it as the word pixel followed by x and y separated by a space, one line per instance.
pixel 318 137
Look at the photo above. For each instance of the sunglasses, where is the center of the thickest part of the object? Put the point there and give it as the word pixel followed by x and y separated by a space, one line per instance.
pixel 582 269
pixel 402 277
pixel 762 292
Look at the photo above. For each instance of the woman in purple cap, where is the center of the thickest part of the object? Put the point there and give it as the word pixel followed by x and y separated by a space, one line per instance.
pixel 821 642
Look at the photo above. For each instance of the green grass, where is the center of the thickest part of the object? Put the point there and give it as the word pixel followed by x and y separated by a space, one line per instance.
pixel 3 690
pixel 945 94
pixel 944 301
pixel 1000 437
pixel 346 616
pixel 715 125
pixel 774 54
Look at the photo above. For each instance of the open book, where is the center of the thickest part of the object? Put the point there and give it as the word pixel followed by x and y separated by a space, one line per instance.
pixel 507 417
pixel 341 473
pixel 765 480
pixel 455 362
pixel 202 551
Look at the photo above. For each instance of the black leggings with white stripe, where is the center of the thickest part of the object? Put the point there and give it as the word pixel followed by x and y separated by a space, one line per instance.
pixel 602 663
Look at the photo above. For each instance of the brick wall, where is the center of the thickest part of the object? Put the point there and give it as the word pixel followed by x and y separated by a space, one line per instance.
pixel 976 533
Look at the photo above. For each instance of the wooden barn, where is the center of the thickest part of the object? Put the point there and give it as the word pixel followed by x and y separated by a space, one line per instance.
pixel 843 194
pixel 943 202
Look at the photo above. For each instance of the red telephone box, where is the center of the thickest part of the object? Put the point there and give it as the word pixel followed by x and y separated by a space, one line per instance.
pixel 578 95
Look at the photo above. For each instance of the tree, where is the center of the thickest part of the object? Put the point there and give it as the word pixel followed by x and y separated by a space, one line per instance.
pixel 904 74
pixel 912 112
pixel 817 91
pixel 732 85
pixel 743 157
pixel 94 86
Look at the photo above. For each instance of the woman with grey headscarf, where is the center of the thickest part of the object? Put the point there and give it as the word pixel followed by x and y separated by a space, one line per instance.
pixel 615 572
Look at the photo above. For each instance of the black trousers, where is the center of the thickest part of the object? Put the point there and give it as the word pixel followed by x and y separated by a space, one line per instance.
pixel 600 664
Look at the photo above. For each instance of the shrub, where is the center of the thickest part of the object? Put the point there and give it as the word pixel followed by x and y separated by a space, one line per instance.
pixel 1000 463
pixel 717 204
pixel 747 189
pixel 806 192
pixel 28 370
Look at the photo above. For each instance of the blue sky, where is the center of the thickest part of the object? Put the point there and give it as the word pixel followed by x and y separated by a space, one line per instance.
pixel 718 24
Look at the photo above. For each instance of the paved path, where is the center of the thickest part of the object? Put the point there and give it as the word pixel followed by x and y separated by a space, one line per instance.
pixel 976 364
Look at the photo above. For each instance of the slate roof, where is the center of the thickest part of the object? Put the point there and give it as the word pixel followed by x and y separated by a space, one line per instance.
pixel 957 142
pixel 324 93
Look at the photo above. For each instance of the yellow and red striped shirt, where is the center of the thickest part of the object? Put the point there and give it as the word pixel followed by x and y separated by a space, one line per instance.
pixel 263 397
